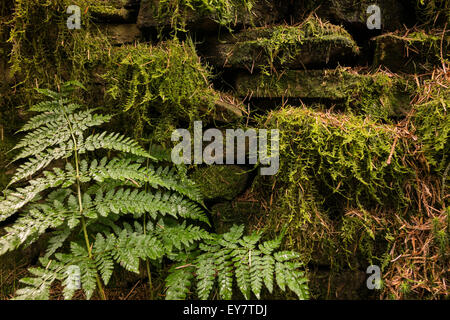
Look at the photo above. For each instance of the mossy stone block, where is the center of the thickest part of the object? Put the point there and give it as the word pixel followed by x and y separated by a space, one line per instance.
pixel 295 47
pixel 220 181
pixel 227 214
pixel 393 13
pixel 199 16
pixel 411 53
pixel 375 94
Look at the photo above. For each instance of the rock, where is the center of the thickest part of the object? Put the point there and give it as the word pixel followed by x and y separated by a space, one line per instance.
pixel 374 94
pixel 114 11
pixel 121 33
pixel 238 212
pixel 314 84
pixel 394 13
pixel 295 47
pixel 220 181
pixel 342 285
pixel 262 13
pixel 228 108
pixel 411 53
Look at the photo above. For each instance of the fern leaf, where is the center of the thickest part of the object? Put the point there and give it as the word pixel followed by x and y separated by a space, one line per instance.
pixel 267 271
pixel 29 227
pixel 50 116
pixel 57 240
pixel 15 200
pixel 256 272
pixel 114 141
pixel 39 162
pixel 242 268
pixel 206 273
pixel 123 169
pixel 178 283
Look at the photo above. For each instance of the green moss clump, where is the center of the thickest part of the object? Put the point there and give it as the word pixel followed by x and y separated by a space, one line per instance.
pixel 349 157
pixel 220 181
pixel 159 86
pixel 329 164
pixel 268 48
pixel 431 121
pixel 40 38
pixel 416 52
pixel 378 95
pixel 224 12
pixel 283 44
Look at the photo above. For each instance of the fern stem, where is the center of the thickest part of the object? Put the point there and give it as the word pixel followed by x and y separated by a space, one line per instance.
pixel 149 275
pixel 80 204
pixel 147 263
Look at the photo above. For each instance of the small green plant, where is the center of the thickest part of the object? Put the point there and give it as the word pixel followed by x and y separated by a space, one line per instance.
pixel 232 255
pixel 118 210
pixel 87 199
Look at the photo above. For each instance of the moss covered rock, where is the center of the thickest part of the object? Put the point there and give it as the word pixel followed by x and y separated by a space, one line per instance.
pixel 205 15
pixel 114 11
pixel 379 95
pixel 313 43
pixel 220 181
pixel 414 52
pixel 394 13
pixel 119 34
pixel 238 212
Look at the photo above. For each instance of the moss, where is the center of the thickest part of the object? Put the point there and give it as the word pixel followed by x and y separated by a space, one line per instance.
pixel 418 51
pixel 335 170
pixel 378 95
pixel 158 86
pixel 347 155
pixel 220 181
pixel 311 42
pixel 178 12
pixel 40 38
pixel 238 212
pixel 431 121
pixel 109 10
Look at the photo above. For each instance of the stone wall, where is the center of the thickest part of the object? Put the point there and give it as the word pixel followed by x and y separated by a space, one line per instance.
pixel 269 60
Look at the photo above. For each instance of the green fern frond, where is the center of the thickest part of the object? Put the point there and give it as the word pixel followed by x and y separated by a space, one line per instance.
pixel 113 141
pixel 179 235
pixel 40 161
pixel 52 116
pixel 178 282
pixel 235 256
pixel 29 227
pixel 125 169
pixel 205 275
pixel 57 240
pixel 17 199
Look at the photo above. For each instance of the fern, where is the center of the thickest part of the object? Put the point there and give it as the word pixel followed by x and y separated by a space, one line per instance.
pixel 252 264
pixel 122 210
pixel 82 201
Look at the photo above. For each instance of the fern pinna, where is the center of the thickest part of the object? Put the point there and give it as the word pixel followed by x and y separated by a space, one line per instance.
pixel 119 210
pixel 81 199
